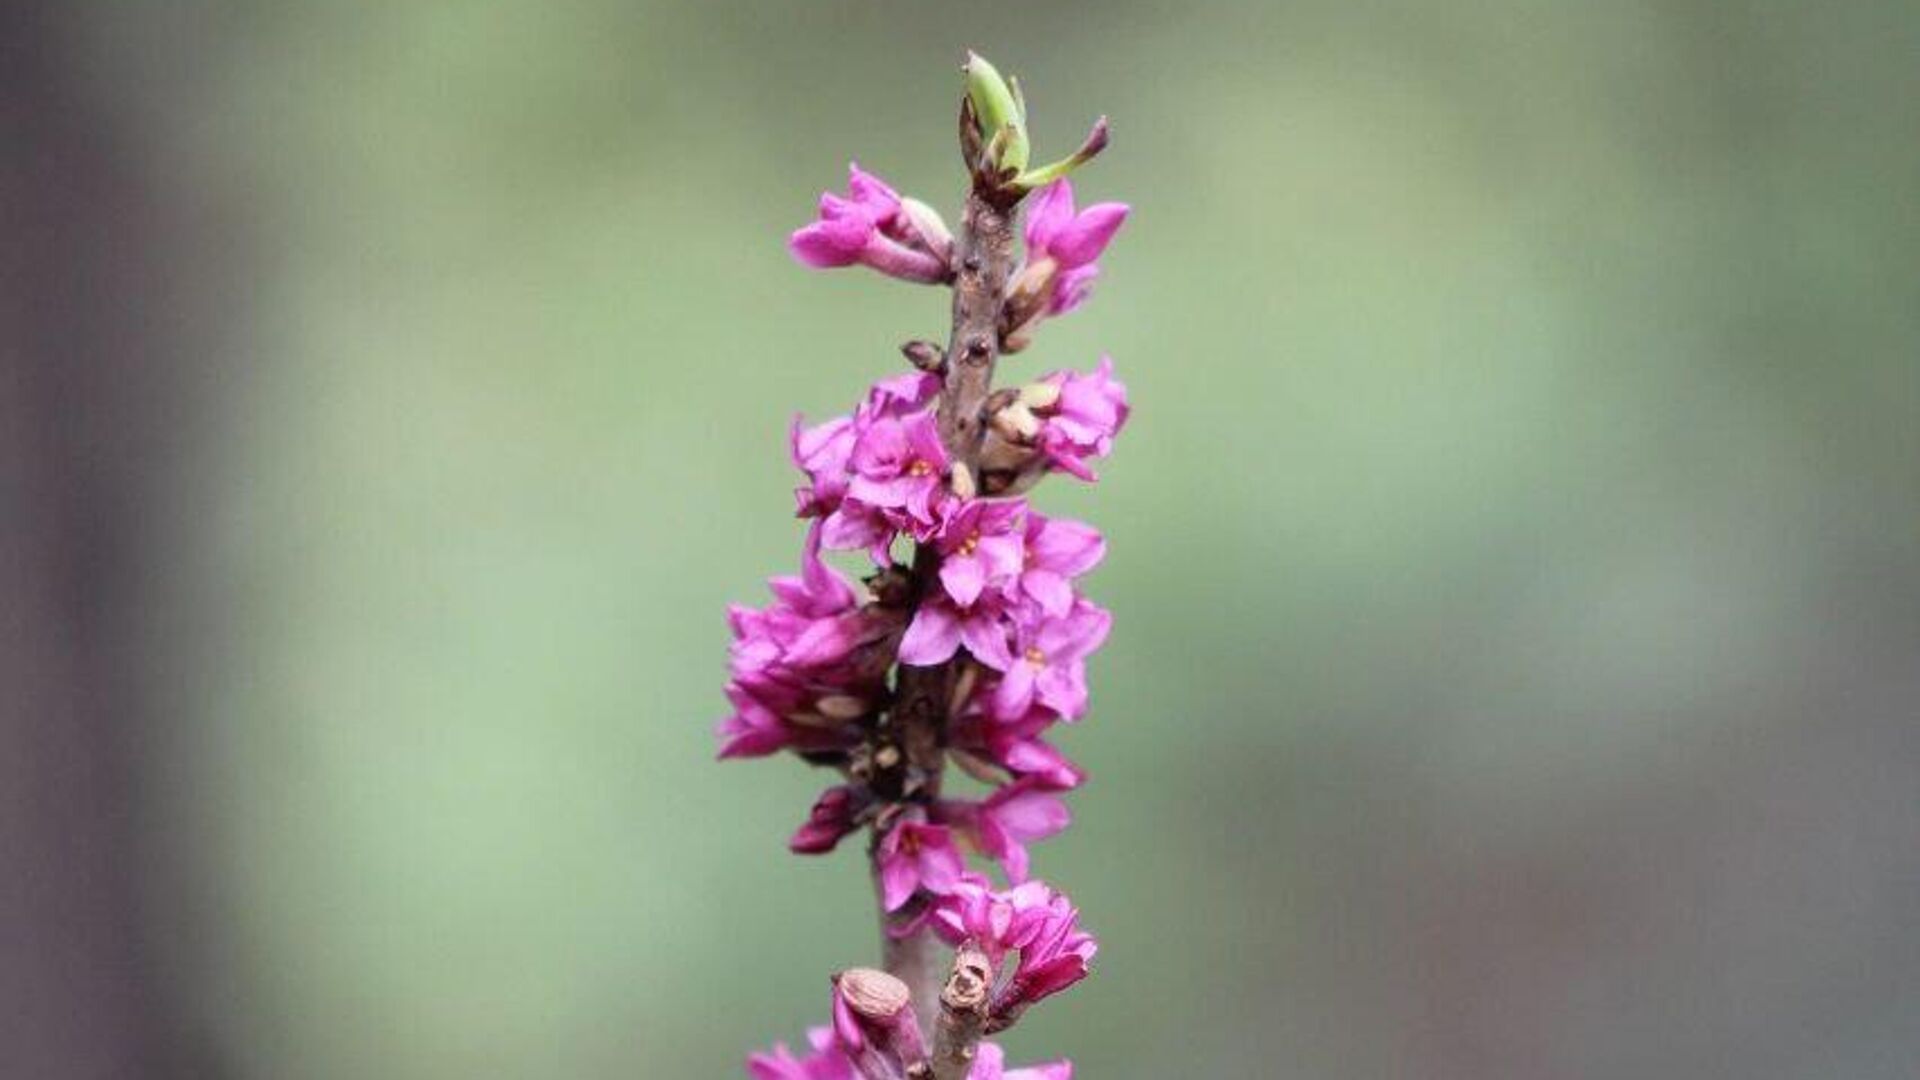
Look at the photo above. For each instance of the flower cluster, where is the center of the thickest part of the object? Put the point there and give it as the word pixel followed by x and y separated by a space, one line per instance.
pixel 1040 927
pixel 1005 591
pixel 970 638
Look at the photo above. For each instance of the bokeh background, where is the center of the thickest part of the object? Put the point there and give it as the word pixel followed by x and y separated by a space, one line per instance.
pixel 1517 665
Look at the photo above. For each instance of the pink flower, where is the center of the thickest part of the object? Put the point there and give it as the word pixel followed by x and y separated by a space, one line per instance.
pixel 814 625
pixel 1014 745
pixel 1057 551
pixel 1070 242
pixel 754 730
pixel 1071 289
pixel 804 665
pixel 897 396
pixel 825 1063
pixel 1032 756
pixel 939 629
pixel 870 228
pixel 824 451
pixel 1031 920
pixel 900 464
pixel 1049 664
pixel 1000 826
pixel 1081 423
pixel 1071 239
pixel 834 815
pixel 980 544
pixel 821 451
pixel 991 1064
pixel 915 855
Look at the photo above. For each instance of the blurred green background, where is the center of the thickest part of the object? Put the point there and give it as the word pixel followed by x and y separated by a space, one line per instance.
pixel 1517 655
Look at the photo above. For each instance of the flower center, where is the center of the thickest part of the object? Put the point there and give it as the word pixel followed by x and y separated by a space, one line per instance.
pixel 971 543
pixel 1036 657
pixel 919 468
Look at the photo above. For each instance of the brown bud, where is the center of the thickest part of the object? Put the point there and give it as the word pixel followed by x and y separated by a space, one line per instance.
pixel 841 707
pixel 925 355
pixel 962 481
pixel 1016 423
pixel 1040 395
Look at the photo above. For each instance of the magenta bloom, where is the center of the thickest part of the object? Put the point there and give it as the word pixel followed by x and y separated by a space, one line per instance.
pixel 1081 423
pixel 825 1063
pixel 1069 241
pixel 897 396
pixel 1016 746
pixel 868 227
pixel 803 665
pixel 1000 826
pixel 939 629
pixel 1031 920
pixel 981 544
pixel 755 730
pixel 915 855
pixel 825 451
pixel 834 815
pixel 1057 551
pixel 821 451
pixel 1031 756
pixel 900 465
pixel 1049 664
pixel 991 1064
pixel 814 624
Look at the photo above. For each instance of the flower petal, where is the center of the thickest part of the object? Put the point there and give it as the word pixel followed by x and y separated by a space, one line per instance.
pixel 1051 211
pixel 824 245
pixel 898 879
pixel 932 637
pixel 963 577
pixel 1082 241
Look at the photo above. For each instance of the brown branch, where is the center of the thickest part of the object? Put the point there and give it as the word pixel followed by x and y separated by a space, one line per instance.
pixel 917 722
pixel 983 255
pixel 912 957
pixel 963 1014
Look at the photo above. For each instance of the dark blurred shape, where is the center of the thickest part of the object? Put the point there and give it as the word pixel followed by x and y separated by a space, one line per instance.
pixel 79 354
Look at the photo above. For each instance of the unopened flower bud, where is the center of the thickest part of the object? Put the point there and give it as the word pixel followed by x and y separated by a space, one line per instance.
pixel 925 355
pixel 1040 395
pixel 841 707
pixel 928 226
pixel 834 815
pixel 1016 423
pixel 962 481
pixel 963 688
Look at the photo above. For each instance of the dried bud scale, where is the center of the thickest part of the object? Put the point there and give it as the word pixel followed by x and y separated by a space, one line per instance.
pixel 971 650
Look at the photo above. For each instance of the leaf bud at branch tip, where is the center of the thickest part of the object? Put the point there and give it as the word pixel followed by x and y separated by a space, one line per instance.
pixel 998 114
